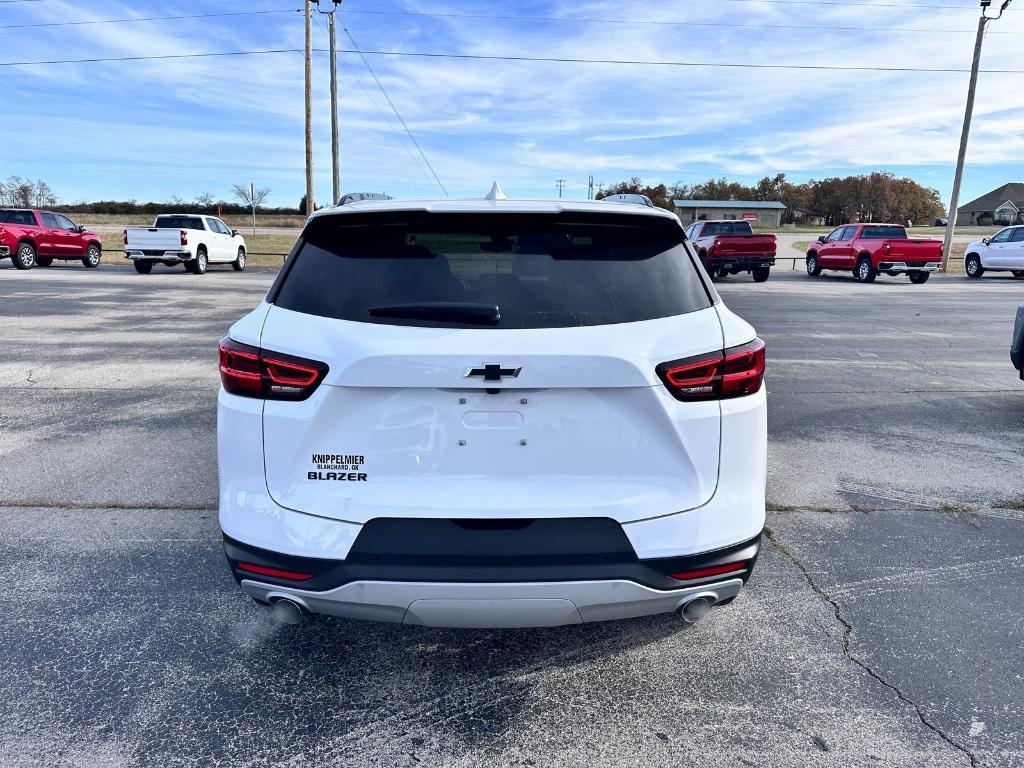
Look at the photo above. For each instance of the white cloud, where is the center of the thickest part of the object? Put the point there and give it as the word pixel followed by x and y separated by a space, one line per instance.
pixel 133 129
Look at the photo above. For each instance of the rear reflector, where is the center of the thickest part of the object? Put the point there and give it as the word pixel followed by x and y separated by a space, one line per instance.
pixel 734 372
pixel 714 570
pixel 275 573
pixel 253 372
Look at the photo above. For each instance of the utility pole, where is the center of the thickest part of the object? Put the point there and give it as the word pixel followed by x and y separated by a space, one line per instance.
pixel 310 205
pixel 335 165
pixel 590 188
pixel 559 184
pixel 965 133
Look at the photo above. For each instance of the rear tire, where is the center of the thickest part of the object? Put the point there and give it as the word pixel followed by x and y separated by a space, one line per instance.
pixel 972 265
pixel 239 263
pixel 199 263
pixel 761 274
pixel 813 268
pixel 143 266
pixel 919 277
pixel 865 271
pixel 91 260
pixel 25 256
pixel 44 261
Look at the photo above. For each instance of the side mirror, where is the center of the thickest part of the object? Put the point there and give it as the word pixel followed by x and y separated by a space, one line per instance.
pixel 985 240
pixel 821 238
pixel 234 233
pixel 80 228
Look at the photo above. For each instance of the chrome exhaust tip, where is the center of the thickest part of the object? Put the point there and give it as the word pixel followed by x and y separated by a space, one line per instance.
pixel 697 607
pixel 287 611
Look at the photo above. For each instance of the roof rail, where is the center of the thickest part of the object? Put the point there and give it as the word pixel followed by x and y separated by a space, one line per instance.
pixel 630 198
pixel 355 197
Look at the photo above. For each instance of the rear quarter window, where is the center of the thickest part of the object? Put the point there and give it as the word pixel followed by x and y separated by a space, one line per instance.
pixel 539 270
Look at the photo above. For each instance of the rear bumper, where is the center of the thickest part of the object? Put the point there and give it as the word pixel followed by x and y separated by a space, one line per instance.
pixel 534 604
pixel 158 255
pixel 908 266
pixel 718 261
pixel 417 584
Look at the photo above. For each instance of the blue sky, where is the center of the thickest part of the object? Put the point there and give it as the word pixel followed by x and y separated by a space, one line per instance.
pixel 152 129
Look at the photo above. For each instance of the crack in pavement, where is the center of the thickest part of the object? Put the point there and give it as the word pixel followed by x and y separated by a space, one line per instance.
pixel 845 645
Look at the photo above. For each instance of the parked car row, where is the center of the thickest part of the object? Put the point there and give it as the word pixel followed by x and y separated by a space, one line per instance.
pixel 32 237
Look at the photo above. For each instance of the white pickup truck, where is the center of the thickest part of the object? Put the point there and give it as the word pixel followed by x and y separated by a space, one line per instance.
pixel 184 238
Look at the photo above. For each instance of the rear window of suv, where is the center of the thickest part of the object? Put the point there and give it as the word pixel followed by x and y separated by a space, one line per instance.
pixel 491 270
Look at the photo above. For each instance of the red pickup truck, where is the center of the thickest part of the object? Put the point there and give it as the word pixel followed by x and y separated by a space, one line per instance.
pixel 729 247
pixel 867 249
pixel 30 237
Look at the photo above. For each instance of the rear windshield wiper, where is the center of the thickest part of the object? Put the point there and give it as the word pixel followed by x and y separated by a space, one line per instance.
pixel 456 311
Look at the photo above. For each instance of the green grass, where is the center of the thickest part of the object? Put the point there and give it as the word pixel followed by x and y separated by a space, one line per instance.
pixel 1016 503
pixel 956 509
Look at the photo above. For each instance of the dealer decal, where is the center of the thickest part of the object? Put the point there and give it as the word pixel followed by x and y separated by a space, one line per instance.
pixel 338 467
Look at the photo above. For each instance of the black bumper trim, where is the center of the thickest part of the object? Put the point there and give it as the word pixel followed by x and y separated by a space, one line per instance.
pixel 490 551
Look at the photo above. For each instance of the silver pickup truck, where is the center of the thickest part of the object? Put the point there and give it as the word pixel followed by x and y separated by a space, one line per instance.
pixel 184 238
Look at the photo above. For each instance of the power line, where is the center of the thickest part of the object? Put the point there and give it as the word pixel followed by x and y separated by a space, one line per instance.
pixel 395 110
pixel 500 17
pixel 863 5
pixel 649 22
pixel 141 18
pixel 495 57
pixel 391 126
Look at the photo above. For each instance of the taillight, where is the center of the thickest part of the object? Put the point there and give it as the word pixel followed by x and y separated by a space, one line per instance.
pixel 254 372
pixel 184 237
pixel 714 570
pixel 734 372
pixel 887 247
pixel 714 246
pixel 275 573
pixel 125 233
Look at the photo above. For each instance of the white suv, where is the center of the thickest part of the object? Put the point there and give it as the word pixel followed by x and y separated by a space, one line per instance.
pixel 492 413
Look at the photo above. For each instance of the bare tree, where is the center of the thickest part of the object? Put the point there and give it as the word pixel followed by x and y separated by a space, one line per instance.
pixel 18 192
pixel 42 195
pixel 204 200
pixel 252 197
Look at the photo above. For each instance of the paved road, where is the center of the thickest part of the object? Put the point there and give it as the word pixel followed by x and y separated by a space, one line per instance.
pixel 882 626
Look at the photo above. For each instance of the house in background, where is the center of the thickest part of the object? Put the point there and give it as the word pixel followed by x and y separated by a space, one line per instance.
pixel 762 212
pixel 1004 205
pixel 805 217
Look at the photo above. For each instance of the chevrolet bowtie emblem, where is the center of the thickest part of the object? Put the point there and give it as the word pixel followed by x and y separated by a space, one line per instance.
pixel 492 372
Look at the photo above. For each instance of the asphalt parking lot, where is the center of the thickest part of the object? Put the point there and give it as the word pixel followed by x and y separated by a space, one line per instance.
pixel 882 626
